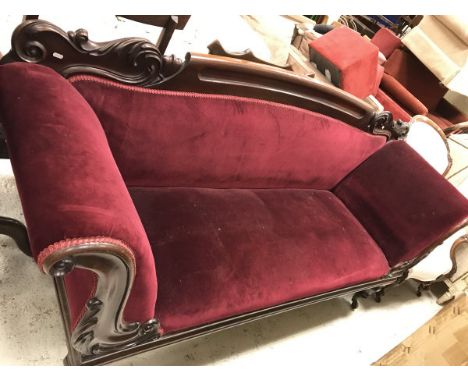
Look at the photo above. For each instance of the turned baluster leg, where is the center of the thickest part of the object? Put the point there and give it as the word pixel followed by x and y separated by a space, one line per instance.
pixel 354 301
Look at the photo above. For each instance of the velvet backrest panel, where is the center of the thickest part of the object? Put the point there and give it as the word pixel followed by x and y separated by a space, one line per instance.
pixel 68 182
pixel 176 139
pixel 402 202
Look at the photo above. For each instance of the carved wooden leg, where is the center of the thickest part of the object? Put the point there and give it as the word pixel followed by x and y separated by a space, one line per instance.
pixel 17 231
pixel 419 290
pixel 378 293
pixel 3 145
pixel 423 286
pixel 360 294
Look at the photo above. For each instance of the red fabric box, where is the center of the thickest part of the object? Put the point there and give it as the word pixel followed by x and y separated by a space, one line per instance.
pixel 347 59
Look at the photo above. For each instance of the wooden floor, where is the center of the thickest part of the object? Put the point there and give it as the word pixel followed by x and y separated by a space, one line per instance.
pixel 442 341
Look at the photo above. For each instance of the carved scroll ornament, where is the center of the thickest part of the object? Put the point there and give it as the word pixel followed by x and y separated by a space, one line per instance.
pixel 134 61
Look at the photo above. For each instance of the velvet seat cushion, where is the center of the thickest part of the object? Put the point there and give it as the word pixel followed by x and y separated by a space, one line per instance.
pixel 224 252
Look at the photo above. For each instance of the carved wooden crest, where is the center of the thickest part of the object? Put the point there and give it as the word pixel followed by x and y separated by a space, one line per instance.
pixel 133 61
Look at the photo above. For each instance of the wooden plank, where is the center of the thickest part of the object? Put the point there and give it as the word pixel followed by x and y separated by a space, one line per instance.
pixel 442 341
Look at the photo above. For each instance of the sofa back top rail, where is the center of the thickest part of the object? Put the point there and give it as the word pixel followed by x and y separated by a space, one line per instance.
pixel 136 61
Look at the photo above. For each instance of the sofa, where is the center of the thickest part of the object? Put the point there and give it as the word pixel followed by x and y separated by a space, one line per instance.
pixel 402 84
pixel 172 198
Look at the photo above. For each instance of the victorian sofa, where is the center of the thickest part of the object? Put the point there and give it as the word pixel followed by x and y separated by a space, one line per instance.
pixel 172 198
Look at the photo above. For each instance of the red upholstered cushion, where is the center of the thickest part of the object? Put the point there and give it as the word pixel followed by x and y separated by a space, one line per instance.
pixel 386 41
pixel 404 204
pixel 177 139
pixel 69 184
pixel 221 253
pixel 378 79
pixel 390 105
pixel 398 92
pixel 351 60
pixel 415 77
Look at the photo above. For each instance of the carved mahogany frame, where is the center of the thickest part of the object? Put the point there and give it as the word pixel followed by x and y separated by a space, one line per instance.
pixel 460 242
pixel 136 61
pixel 102 328
pixel 75 358
pixel 102 335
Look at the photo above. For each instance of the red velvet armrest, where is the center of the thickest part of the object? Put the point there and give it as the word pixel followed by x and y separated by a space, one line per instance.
pixel 404 204
pixel 397 91
pixel 69 184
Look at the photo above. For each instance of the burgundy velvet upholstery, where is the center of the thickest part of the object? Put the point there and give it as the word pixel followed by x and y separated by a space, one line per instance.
pixel 415 77
pixel 390 105
pixel 386 41
pixel 69 184
pixel 233 193
pixel 398 92
pixel 163 138
pixel 421 82
pixel 225 252
pixel 404 204
pixel 353 58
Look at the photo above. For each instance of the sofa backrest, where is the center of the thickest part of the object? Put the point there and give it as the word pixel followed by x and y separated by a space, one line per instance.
pixel 166 138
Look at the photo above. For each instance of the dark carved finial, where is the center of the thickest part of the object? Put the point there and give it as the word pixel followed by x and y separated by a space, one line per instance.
pixel 400 129
pixel 150 326
pixel 62 267
pixel 383 124
pixel 94 304
pixel 79 37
